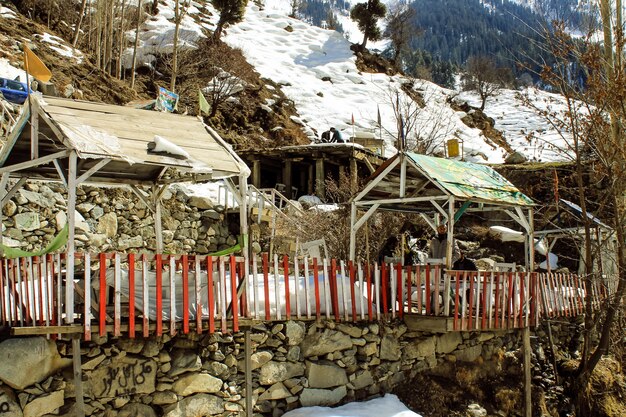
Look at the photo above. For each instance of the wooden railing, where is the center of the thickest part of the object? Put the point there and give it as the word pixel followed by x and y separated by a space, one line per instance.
pixel 154 294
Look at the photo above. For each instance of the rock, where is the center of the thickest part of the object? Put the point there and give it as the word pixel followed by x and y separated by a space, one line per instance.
pixel 390 348
pixel 8 406
pixel 197 383
pixel 196 405
pixel 468 355
pixel 133 242
pixel 80 223
pixel 151 348
pixel 273 372
pixel 319 344
pixel 422 349
pixel 257 359
pixel 136 410
pixel 36 198
pixel 216 368
pixel 184 360
pixel 91 364
pixel 130 345
pixel 364 379
pixel 448 342
pixel 325 375
pixel 164 398
pixel 123 376
pixel 294 330
pixel 369 349
pixel 515 158
pixel 27 221
pixel 61 219
pixel 9 208
pixel 200 202
pixel 96 239
pixel 313 397
pixel 475 410
pixel 107 224
pixel 26 361
pixel 46 404
pixel 277 391
pixel 352 331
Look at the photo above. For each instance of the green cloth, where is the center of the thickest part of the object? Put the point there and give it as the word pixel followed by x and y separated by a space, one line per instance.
pixel 243 240
pixel 470 181
pixel 57 243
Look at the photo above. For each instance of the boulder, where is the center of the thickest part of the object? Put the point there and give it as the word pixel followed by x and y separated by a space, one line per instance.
pixel 294 330
pixel 424 348
pixel 26 361
pixel 107 224
pixel 27 221
pixel 46 404
pixel 448 342
pixel 200 202
pixel 257 359
pixel 8 406
pixel 468 355
pixel 278 391
pixel 196 405
pixel 273 372
pixel 515 158
pixel 390 348
pixel 325 375
pixel 318 344
pixel 311 397
pixel 136 410
pixel 164 398
pixel 184 360
pixel 363 379
pixel 196 383
pixel 123 376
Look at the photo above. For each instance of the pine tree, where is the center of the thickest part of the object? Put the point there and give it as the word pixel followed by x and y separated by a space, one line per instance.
pixel 366 15
pixel 231 12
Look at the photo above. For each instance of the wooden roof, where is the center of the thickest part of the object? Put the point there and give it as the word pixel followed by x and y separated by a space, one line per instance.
pixel 121 135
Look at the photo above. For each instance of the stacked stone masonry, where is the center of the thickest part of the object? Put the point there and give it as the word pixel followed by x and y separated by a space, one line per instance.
pixel 294 364
pixel 114 219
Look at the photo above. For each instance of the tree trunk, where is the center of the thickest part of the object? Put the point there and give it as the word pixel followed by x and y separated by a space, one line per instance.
pixel 134 64
pixel 80 22
pixel 120 43
pixel 177 18
pixel 109 44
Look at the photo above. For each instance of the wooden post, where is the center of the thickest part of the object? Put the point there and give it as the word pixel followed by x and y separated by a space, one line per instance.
pixel 248 368
pixel 34 127
pixel 256 173
pixel 320 187
pixel 243 230
pixel 78 378
pixel 528 409
pixel 71 221
pixel 287 178
pixel 354 175
pixel 158 221
pixel 450 237
pixel 310 188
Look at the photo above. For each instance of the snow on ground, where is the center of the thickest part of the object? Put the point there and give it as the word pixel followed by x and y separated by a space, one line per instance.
pixel 7 13
pixel 59 46
pixel 317 70
pixel 9 71
pixel 387 406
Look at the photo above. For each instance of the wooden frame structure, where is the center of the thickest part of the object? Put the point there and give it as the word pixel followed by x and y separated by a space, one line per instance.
pixel 79 142
pixel 438 188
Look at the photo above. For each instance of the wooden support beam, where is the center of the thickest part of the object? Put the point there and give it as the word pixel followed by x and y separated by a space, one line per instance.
pixel 34 128
pixel 35 162
pixel 402 200
pixel 528 406
pixel 287 178
pixel 71 220
pixel 310 189
pixel 57 166
pixel 13 190
pixel 256 173
pixel 320 177
pixel 248 370
pixel 143 198
pixel 92 170
pixel 78 377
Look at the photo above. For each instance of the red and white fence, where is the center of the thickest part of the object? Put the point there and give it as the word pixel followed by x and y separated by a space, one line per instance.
pixel 153 294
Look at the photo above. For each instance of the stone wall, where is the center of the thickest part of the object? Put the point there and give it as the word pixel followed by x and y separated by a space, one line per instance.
pixel 114 219
pixel 294 364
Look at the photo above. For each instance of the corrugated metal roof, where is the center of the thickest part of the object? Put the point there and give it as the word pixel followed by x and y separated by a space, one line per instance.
pixel 470 181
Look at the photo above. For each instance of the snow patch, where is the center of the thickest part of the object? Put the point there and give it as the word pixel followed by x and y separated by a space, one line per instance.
pixel 164 145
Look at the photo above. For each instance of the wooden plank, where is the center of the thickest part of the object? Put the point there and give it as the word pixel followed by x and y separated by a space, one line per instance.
pixel 327 297
pixel 377 289
pixel 102 304
pixel 432 324
pixel 233 293
pixel 185 262
pixel 146 294
pixel 317 289
pixel 344 293
pixel 198 293
pixel 287 295
pixel 117 296
pixel 266 285
pixel 352 294
pixel 255 285
pixel 131 295
pixel 87 310
pixel 78 378
pixel 172 276
pixel 159 294
pixel 296 273
pixel 307 291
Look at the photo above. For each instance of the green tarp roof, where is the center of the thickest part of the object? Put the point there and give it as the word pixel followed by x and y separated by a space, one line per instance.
pixel 470 181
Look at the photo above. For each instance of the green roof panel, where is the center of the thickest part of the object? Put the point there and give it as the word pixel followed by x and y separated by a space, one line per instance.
pixel 470 181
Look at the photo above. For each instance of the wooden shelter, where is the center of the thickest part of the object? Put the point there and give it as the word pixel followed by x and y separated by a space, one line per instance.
pixel 438 188
pixel 79 142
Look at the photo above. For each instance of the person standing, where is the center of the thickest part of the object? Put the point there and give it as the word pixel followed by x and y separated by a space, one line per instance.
pixel 439 245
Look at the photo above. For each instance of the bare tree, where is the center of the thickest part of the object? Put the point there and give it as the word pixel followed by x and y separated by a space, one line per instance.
pixel 592 125
pixel 136 44
pixel 400 29
pixel 419 128
pixel 483 76
pixel 80 22
pixel 180 10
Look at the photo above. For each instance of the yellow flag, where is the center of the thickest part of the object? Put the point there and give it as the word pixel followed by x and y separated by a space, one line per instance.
pixel 204 105
pixel 35 67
